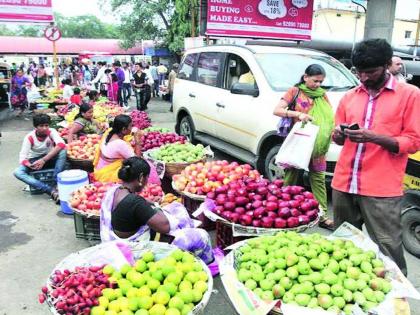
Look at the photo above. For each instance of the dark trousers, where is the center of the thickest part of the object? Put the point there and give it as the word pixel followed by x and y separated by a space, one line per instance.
pixel 126 90
pixel 155 88
pixel 120 96
pixel 143 97
pixel 381 216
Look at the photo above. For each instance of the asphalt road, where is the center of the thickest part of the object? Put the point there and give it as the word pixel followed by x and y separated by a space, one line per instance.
pixel 35 235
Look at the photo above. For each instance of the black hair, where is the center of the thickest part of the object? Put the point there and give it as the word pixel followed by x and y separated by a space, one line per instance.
pixel 66 81
pixel 114 77
pixel 372 53
pixel 76 91
pixel 117 64
pixel 92 95
pixel 84 108
pixel 120 122
pixel 311 70
pixel 41 119
pixel 108 71
pixel 132 168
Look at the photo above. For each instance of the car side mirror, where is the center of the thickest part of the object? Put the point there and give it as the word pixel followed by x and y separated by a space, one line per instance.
pixel 245 89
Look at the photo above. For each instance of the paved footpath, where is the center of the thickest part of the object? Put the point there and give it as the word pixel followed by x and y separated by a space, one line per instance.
pixel 35 235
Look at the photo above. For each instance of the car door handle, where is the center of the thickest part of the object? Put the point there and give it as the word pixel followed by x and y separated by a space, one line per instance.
pixel 191 95
pixel 220 105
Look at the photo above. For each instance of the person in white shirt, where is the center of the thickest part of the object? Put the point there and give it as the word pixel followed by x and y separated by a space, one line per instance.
pixel 42 148
pixel 67 89
pixel 126 88
pixel 396 68
pixel 50 74
pixel 101 78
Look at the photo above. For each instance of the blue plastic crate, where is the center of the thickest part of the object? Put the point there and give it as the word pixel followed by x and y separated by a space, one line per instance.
pixel 46 176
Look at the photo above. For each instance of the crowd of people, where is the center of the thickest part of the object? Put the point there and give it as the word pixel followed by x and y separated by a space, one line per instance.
pixel 119 81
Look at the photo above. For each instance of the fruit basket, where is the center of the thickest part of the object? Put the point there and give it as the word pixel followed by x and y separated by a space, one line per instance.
pixel 86 165
pixel 298 273
pixel 86 225
pixel 122 255
pixel 192 203
pixel 224 234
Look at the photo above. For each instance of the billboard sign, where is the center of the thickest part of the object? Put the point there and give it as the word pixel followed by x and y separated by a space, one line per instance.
pixel 278 19
pixel 28 11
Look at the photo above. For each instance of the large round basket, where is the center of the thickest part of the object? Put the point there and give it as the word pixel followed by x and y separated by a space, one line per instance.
pixel 192 202
pixel 86 165
pixel 172 169
pixel 88 256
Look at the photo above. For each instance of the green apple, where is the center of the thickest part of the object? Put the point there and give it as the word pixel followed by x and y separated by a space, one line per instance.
pixel 278 291
pixel 325 301
pixel 288 297
pixel 353 273
pixel 148 256
pixel 348 309
pixel 292 272
pixel 286 283
pixel 365 277
pixel 258 276
pixel 333 266
pixel 361 284
pixel 366 267
pixel 269 268
pixel 307 287
pixel 324 258
pixel 315 277
pixel 266 285
pixel 302 299
pixel 322 288
pixel 347 295
pixel 262 260
pixel 97 310
pixel 109 294
pixel 386 286
pixel 176 302
pixel 377 263
pixel 369 305
pixel 316 264
pixel 185 285
pixel 371 254
pixel 244 275
pixel 334 309
pixel 108 270
pixel 338 254
pixel 344 264
pixel 157 309
pixel 278 274
pixel 379 296
pixel 313 303
pixel 350 284
pixel 337 290
pixel 144 291
pixel 267 296
pixel 330 278
pixel 280 263
pixel 376 284
pixel 359 298
pixel 304 268
pixel 311 253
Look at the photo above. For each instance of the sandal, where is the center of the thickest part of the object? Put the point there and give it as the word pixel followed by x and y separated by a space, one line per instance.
pixel 55 197
pixel 327 224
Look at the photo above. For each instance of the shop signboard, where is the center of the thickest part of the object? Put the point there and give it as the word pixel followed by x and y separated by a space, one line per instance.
pixel 28 11
pixel 278 19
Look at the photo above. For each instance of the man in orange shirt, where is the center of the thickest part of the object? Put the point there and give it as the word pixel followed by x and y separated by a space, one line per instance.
pixel 378 125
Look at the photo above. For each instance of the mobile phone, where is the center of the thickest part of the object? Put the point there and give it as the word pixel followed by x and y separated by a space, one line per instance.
pixel 343 127
pixel 354 126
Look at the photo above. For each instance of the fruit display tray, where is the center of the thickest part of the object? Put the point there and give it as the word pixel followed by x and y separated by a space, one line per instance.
pixel 102 254
pixel 85 165
pixel 86 227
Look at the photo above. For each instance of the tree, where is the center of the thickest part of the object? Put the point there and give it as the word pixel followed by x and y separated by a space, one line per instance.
pixel 30 31
pixel 5 31
pixel 165 21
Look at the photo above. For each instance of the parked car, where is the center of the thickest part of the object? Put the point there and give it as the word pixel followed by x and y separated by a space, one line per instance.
pixel 212 107
pixel 5 80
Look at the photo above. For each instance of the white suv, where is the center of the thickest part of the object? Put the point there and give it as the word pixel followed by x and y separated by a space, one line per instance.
pixel 212 107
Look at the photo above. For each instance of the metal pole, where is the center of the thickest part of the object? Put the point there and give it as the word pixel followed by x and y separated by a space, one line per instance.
pixel 416 43
pixel 57 83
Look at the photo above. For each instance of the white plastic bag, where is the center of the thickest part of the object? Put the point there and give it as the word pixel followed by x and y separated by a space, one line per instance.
pixel 296 150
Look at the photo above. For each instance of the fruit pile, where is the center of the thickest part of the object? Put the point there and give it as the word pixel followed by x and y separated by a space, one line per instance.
pixel 140 119
pixel 158 129
pixel 84 148
pixel 169 198
pixel 171 286
pixel 261 203
pixel 76 292
pixel 201 178
pixel 156 139
pixel 152 193
pixel 179 153
pixel 312 271
pixel 63 132
pixel 102 111
pixel 88 198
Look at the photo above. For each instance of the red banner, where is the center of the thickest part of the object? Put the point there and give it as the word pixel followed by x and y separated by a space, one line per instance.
pixel 279 19
pixel 30 11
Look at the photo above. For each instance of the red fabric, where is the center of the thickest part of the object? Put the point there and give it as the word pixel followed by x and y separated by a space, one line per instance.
pixel 370 169
pixel 31 140
pixel 76 99
pixel 61 145
pixel 25 162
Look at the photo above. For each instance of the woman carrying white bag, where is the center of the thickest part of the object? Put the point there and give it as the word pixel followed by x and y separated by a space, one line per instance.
pixel 310 104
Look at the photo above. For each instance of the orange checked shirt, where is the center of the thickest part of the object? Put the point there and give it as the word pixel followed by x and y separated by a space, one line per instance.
pixel 366 168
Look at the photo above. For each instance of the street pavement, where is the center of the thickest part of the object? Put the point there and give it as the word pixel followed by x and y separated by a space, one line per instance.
pixel 35 236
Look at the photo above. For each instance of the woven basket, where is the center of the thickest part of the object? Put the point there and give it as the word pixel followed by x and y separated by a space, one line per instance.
pixel 172 169
pixel 86 165
pixel 224 235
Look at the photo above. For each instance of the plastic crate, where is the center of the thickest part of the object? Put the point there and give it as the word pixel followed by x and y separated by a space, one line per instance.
pixel 87 228
pixel 191 205
pixel 224 235
pixel 46 176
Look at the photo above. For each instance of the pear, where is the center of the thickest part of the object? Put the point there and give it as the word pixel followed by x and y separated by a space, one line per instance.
pixel 359 298
pixel 324 257
pixel 337 290
pixel 325 301
pixel 361 284
pixel 339 302
pixel 302 299
pixel 377 263
pixel 322 288
pixel 315 277
pixel 280 263
pixel 353 273
pixel 366 267
pixel 386 286
pixel 288 297
pixel 291 259
pixel 278 291
pixel 350 284
pixel 347 295
pixel 369 295
pixel 313 303
pixel 304 268
pixel 348 309
pixel 344 264
pixel 333 266
pixel 316 264
pixel 376 284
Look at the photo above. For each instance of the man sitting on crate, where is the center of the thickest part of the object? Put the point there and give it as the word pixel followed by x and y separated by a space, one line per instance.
pixel 42 149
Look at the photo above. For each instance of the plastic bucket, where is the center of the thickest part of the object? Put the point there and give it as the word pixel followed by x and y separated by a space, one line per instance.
pixel 67 182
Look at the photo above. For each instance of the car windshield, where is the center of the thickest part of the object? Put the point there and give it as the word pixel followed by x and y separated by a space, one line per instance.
pixel 285 70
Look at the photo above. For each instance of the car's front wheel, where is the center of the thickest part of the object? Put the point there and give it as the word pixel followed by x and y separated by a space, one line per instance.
pixel 186 128
pixel 271 170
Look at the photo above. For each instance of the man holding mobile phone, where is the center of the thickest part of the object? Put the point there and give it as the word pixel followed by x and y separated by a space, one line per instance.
pixel 378 126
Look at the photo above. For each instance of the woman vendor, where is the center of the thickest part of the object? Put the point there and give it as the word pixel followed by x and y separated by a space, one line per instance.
pixel 126 215
pixel 114 148
pixel 84 123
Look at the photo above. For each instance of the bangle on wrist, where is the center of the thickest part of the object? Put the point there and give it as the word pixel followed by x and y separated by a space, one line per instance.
pixel 287 113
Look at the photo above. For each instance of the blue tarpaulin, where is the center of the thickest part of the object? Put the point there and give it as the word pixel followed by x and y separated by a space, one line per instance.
pixel 157 52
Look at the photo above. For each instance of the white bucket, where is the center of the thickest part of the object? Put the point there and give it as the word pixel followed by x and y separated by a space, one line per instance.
pixel 67 182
